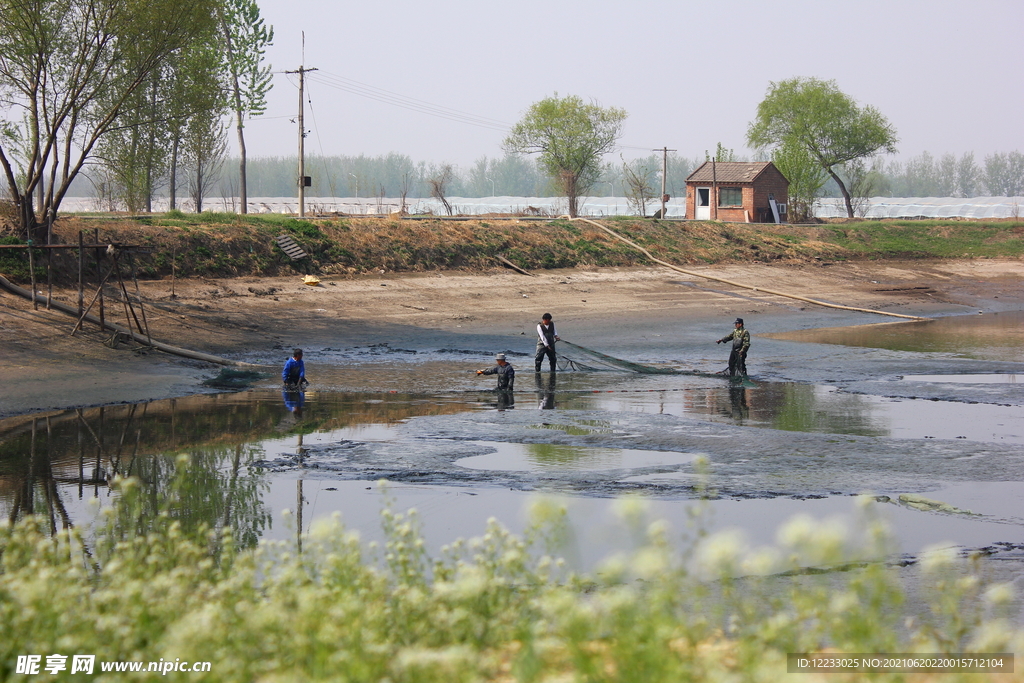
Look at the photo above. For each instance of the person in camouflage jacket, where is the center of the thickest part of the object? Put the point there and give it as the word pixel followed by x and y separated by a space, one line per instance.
pixel 740 343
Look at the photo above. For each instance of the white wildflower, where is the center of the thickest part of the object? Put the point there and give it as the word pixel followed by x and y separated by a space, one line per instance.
pixel 719 554
pixel 1000 594
pixel 939 557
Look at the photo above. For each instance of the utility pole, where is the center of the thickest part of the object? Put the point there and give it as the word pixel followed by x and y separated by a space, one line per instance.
pixel 302 71
pixel 664 175
pixel 714 188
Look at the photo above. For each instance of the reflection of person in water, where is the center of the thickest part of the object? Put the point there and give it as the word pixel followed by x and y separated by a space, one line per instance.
pixel 546 391
pixel 738 399
pixel 294 399
pixel 506 400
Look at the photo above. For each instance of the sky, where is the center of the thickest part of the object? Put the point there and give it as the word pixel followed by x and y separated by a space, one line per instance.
pixel 949 76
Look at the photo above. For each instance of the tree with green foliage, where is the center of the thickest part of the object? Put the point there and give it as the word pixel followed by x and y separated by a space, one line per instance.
pixel 722 153
pixel 570 136
pixel 805 177
pixel 198 102
pixel 133 154
pixel 203 147
pixel 818 117
pixel 68 68
pixel 1004 174
pixel 245 37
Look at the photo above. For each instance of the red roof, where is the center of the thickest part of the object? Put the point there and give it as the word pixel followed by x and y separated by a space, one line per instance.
pixel 729 171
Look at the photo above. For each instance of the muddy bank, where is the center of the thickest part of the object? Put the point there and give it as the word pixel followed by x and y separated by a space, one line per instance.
pixel 640 313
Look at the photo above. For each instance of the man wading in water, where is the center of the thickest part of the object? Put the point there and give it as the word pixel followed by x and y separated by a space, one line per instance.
pixel 740 343
pixel 505 372
pixel 506 381
pixel 546 341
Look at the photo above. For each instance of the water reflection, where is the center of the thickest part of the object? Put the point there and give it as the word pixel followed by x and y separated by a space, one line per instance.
pixel 992 336
pixel 559 457
pixel 778 405
pixel 294 400
pixel 546 386
pixel 53 465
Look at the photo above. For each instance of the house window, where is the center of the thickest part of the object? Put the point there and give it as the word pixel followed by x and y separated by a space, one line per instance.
pixel 730 196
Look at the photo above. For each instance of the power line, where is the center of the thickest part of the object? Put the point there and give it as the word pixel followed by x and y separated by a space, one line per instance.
pixel 323 157
pixel 388 97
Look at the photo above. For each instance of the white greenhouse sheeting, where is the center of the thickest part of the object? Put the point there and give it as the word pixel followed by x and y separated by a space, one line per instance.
pixel 541 206
pixel 878 207
pixel 928 207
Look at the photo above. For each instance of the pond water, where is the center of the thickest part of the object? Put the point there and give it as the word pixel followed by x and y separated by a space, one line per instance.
pixel 990 336
pixel 963 379
pixel 461 454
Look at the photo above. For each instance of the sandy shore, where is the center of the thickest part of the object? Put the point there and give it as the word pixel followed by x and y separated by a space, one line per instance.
pixel 259 318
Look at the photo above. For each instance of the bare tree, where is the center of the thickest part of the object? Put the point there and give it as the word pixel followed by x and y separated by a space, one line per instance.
pixel 639 179
pixel 204 146
pixel 403 190
pixel 439 185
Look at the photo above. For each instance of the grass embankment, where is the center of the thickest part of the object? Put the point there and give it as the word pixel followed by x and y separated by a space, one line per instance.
pixel 495 608
pixel 225 245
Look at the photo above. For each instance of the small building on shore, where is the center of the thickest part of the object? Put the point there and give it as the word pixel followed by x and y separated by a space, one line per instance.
pixel 741 191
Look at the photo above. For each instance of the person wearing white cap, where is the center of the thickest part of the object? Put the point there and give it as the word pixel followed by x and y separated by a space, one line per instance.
pixel 505 372
pixel 740 343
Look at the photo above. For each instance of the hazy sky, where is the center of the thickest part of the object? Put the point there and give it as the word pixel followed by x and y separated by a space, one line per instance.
pixel 948 75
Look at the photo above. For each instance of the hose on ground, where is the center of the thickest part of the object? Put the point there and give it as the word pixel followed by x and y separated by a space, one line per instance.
pixel 739 284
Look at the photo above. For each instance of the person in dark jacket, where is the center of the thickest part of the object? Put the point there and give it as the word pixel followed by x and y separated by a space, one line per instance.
pixel 546 338
pixel 505 372
pixel 740 343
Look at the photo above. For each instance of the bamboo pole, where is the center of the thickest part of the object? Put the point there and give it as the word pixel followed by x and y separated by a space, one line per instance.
pixel 138 295
pixel 81 271
pixel 32 275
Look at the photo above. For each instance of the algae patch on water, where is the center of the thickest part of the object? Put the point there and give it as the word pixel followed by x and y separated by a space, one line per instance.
pixel 229 378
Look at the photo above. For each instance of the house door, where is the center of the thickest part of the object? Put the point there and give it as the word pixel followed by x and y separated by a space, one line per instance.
pixel 703 204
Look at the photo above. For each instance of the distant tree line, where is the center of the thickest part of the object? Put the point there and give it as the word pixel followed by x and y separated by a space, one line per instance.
pixel 998 175
pixel 388 175
pixel 368 176
pixel 519 176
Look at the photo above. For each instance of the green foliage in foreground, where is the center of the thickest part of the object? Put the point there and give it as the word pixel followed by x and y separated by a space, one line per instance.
pixel 498 607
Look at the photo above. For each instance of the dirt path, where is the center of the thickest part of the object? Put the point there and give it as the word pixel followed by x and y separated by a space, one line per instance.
pixel 48 369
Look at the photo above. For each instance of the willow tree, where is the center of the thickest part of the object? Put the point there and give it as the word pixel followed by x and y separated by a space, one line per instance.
pixel 817 117
pixel 67 69
pixel 570 137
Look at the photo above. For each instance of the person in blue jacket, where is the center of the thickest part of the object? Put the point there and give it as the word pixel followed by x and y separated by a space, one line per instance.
pixel 294 372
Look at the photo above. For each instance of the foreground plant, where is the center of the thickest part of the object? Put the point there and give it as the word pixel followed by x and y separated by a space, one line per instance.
pixel 498 607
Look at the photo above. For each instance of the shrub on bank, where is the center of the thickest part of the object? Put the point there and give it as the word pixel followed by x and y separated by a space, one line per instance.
pixel 498 607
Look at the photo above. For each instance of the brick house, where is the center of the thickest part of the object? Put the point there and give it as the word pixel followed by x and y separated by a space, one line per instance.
pixel 743 190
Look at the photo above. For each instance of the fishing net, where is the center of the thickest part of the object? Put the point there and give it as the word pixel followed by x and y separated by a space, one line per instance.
pixel 582 358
